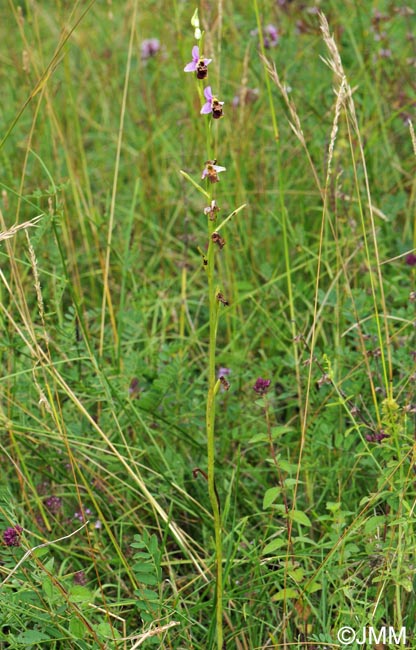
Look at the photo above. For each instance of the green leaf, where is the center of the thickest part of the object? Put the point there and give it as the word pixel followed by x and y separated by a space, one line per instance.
pixel 30 637
pixel 296 574
pixel 51 591
pixel 286 466
pixel 273 546
pixel 80 594
pixel 333 506
pixel 373 523
pixel 406 583
pixel 153 545
pixel 48 587
pixel 305 540
pixel 196 185
pixel 146 578
pixel 290 482
pixel 76 628
pixel 259 437
pixel 279 431
pixel 300 517
pixel 106 630
pixel 138 545
pixel 269 496
pixel 142 555
pixel 138 542
pixel 148 595
pixel 284 594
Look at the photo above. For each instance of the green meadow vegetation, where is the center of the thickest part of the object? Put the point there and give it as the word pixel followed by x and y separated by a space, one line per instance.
pixel 207 416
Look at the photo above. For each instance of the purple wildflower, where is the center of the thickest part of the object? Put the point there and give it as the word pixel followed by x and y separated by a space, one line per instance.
pixel 198 64
pixel 53 504
pixel 149 47
pixel 385 53
pixel 411 259
pixel 245 96
pixel 80 516
pixel 262 386
pixel 134 388
pixel 212 170
pixel 11 536
pixel 212 105
pixel 270 36
pixel 377 436
pixel 222 374
pixel 80 578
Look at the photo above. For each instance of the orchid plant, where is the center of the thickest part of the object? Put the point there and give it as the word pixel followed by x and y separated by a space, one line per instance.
pixel 217 300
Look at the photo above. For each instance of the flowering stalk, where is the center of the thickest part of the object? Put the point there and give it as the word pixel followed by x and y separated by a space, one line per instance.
pixel 213 385
pixel 211 106
pixel 210 173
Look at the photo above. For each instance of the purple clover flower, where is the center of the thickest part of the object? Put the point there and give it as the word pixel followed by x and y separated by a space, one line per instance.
pixel 411 259
pixel 80 578
pixel 212 170
pixel 212 105
pixel 11 536
pixel 198 64
pixel 53 504
pixel 80 516
pixel 377 436
pixel 262 386
pixel 149 47
pixel 270 36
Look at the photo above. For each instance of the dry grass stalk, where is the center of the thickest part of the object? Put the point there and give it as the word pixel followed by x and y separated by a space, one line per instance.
pixel 335 64
pixel 34 264
pixel 295 124
pixel 11 232
pixel 412 136
pixel 152 632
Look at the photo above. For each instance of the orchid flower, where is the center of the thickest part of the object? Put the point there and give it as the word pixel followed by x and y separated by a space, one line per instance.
pixel 198 64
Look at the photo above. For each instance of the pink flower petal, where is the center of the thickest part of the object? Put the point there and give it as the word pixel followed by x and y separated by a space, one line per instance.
pixel 208 94
pixel 206 109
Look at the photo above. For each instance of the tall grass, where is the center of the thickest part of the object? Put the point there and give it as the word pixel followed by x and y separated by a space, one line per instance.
pixel 105 326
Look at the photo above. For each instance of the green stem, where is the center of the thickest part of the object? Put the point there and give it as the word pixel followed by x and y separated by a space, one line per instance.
pixel 266 76
pixel 213 387
pixel 210 423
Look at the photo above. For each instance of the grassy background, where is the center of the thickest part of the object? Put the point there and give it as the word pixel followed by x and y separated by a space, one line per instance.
pixel 109 289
